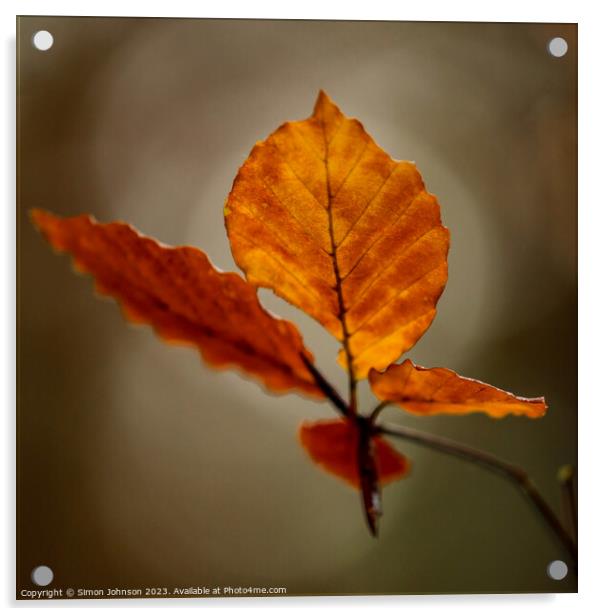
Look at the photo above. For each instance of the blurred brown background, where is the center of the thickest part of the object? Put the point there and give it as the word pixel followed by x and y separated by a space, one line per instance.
pixel 139 466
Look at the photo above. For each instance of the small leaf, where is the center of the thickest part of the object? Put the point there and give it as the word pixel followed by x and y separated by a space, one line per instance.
pixel 185 299
pixel 428 391
pixel 321 215
pixel 333 445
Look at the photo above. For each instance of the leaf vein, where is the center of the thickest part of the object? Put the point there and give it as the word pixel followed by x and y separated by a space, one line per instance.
pixel 288 210
pixel 441 385
pixel 285 161
pixel 402 326
pixel 301 136
pixel 305 284
pixel 336 131
pixel 384 270
pixel 379 236
pixel 353 166
pixel 370 201
pixel 396 296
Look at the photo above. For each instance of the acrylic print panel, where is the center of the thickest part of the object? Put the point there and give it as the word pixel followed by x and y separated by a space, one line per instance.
pixel 168 460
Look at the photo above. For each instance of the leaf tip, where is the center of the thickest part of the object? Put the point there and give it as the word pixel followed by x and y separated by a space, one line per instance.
pixel 46 223
pixel 540 407
pixel 40 217
pixel 322 98
pixel 324 106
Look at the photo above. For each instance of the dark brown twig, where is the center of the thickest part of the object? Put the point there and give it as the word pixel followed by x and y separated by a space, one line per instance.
pixel 566 477
pixel 368 474
pixel 376 411
pixel 329 391
pixel 490 462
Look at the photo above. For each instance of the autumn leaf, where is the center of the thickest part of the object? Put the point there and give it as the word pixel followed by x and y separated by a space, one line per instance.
pixel 185 299
pixel 321 215
pixel 333 445
pixel 429 391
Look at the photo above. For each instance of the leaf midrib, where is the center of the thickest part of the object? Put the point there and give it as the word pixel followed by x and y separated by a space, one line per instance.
pixel 337 275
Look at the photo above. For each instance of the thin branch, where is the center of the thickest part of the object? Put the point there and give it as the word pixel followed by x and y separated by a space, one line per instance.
pixel 376 411
pixel 352 390
pixel 566 477
pixel 329 391
pixel 490 462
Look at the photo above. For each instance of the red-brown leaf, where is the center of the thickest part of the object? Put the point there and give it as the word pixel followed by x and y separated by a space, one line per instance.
pixel 185 299
pixel 429 391
pixel 333 445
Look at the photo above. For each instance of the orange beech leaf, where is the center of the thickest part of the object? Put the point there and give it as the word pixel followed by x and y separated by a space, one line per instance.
pixel 429 391
pixel 330 222
pixel 333 445
pixel 185 299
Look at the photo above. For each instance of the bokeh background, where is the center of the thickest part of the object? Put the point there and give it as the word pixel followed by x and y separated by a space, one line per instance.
pixel 140 466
